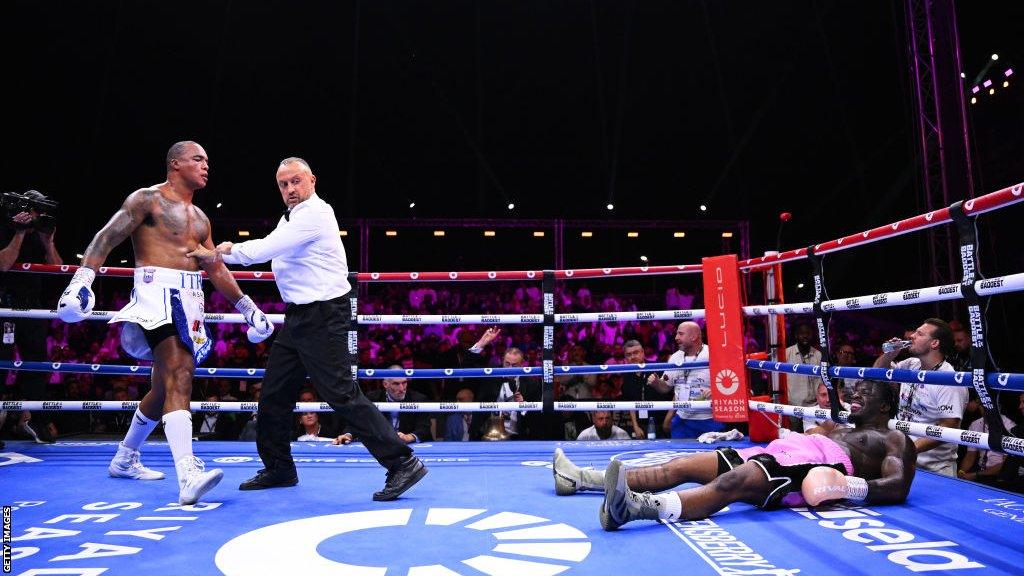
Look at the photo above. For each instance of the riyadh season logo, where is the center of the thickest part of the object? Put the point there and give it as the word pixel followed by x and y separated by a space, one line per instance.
pixel 349 543
pixel 727 381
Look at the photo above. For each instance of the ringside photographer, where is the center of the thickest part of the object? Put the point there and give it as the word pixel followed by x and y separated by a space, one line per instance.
pixel 26 234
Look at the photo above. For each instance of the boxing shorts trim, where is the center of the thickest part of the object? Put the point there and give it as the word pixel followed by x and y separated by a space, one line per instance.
pixel 727 459
pixel 785 480
pixel 164 296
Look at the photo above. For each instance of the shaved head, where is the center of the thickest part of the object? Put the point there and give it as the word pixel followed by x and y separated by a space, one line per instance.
pixel 187 165
pixel 688 337
pixel 295 180
pixel 178 150
pixel 295 160
pixel 690 326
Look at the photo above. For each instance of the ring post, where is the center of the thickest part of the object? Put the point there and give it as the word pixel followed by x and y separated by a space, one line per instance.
pixel 723 313
pixel 776 333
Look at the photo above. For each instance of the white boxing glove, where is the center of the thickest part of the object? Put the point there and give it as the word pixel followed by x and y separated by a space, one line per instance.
pixel 260 327
pixel 77 302
pixel 824 483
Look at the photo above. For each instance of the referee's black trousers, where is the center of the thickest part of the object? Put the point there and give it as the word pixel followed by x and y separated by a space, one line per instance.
pixel 314 341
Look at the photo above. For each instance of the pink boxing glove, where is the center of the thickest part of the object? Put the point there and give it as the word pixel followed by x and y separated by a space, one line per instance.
pixel 824 483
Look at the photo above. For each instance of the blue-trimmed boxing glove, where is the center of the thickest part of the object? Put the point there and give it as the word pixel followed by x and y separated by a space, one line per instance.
pixel 260 327
pixel 77 302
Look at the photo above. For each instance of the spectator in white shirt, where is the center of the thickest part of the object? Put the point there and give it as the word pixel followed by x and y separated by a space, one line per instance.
pixel 688 384
pixel 800 389
pixel 930 345
pixel 603 429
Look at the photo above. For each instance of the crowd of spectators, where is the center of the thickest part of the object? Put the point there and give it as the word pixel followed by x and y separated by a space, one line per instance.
pixel 853 342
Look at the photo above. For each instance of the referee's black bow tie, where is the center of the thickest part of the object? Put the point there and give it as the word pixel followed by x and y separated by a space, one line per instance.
pixel 287 213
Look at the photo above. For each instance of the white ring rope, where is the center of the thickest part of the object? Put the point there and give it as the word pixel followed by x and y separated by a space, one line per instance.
pixel 987 287
pixel 38 314
pixel 581 406
pixel 425 319
pixel 592 405
pixel 114 405
pixel 978 440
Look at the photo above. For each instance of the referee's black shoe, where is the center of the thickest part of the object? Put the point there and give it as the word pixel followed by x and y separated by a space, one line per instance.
pixel 401 478
pixel 270 479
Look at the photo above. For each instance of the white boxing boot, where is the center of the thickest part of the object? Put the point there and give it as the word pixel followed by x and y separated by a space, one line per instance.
pixel 126 464
pixel 194 480
pixel 570 478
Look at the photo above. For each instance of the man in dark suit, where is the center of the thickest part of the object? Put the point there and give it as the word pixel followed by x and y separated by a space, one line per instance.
pixel 214 425
pixel 118 422
pixel 410 426
pixel 465 354
pixel 635 387
pixel 519 425
pixel 458 424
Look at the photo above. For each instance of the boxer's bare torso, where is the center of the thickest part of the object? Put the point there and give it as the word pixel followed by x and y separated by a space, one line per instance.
pixel 867 448
pixel 163 223
pixel 169 229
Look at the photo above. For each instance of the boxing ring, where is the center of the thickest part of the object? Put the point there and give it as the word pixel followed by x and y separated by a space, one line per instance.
pixel 484 508
pixel 490 508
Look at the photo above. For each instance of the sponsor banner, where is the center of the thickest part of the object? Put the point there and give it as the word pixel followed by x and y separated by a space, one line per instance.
pixel 68 538
pixel 724 314
pixel 797 411
pixel 956 436
pixel 903 548
pixel 723 551
pixel 303 545
pixel 1005 508
pixel 587 406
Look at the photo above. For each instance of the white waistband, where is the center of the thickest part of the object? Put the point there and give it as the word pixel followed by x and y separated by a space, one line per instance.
pixel 168 278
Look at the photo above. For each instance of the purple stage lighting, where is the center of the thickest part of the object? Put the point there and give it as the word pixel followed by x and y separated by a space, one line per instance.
pixel 986 83
pixel 975 90
pixel 1009 72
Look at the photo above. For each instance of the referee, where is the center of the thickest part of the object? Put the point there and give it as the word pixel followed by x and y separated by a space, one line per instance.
pixel 311 271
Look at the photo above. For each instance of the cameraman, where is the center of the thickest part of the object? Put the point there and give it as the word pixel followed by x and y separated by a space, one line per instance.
pixel 27 236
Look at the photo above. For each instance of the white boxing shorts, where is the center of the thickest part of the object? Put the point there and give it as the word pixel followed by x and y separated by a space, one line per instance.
pixel 165 296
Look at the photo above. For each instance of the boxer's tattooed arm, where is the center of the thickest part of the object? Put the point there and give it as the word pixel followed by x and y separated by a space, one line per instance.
pixel 898 466
pixel 132 213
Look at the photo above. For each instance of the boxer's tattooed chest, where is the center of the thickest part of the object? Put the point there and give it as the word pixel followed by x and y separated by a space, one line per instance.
pixel 180 220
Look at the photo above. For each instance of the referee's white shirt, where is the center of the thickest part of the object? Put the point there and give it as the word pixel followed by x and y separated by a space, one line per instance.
pixel 305 251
